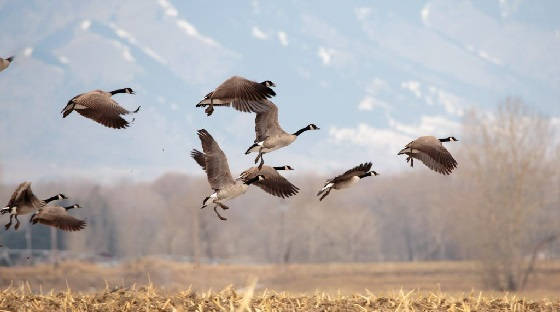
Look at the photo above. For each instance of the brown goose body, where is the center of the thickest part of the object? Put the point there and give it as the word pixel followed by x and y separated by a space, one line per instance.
pixel 59 218
pixel 269 134
pixel 347 179
pixel 430 151
pixel 23 201
pixel 274 183
pixel 240 93
pixel 99 106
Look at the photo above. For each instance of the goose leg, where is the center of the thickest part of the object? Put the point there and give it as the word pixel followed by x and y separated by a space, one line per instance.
pixel 224 207
pixel 325 195
pixel 411 162
pixel 204 202
pixel 262 162
pixel 258 157
pixel 218 214
pixel 7 226
pixel 17 223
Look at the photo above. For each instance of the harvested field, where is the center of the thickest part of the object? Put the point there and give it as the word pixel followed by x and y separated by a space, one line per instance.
pixel 148 298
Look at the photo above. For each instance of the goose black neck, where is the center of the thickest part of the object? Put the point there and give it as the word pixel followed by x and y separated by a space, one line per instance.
pixel 251 181
pixel 50 199
pixel 300 131
pixel 69 207
pixel 279 168
pixel 118 91
pixel 445 140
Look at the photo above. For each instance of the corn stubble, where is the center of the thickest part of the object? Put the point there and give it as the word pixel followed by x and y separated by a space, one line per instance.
pixel 149 298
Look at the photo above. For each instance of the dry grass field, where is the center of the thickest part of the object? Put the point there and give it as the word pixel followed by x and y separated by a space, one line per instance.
pixel 158 285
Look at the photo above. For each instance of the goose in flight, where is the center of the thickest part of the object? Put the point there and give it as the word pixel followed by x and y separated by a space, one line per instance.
pixel 347 179
pixel 274 183
pixel 214 162
pixel 432 153
pixel 243 94
pixel 100 107
pixel 58 217
pixel 23 201
pixel 269 134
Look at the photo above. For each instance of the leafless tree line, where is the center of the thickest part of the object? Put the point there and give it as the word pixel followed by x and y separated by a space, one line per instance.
pixel 500 207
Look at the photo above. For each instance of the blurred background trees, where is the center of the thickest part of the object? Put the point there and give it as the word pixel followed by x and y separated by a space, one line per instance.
pixel 501 207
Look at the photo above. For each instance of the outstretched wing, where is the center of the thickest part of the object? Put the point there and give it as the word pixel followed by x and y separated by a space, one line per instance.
pixel 99 106
pixel 243 94
pixel 274 183
pixel 266 122
pixel 436 158
pixel 216 165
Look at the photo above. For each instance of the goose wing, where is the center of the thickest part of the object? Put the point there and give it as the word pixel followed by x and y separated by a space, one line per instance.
pixel 274 183
pixel 23 195
pixel 356 171
pixel 99 106
pixel 266 122
pixel 215 162
pixel 59 218
pixel 243 94
pixel 435 156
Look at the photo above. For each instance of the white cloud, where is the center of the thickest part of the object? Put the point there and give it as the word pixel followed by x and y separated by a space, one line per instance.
pixel 369 103
pixel 325 55
pixel 429 125
pixel 452 103
pixel 125 51
pixel 283 38
pixel 425 13
pixel 412 86
pixel 259 34
pixel 63 60
pixel 28 51
pixel 362 13
pixel 489 58
pixel 85 25
pixel 191 31
pixel 168 8
pixel 132 40
pixel 508 7
pixel 366 135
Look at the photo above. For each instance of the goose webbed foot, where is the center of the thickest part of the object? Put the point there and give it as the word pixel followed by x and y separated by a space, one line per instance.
pixel 204 202
pixel 218 214
pixel 209 110
pixel 325 195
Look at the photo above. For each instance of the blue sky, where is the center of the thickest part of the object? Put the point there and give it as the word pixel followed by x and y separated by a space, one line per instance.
pixel 372 74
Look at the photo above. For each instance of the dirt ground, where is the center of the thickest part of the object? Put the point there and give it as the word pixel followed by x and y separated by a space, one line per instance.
pixel 336 278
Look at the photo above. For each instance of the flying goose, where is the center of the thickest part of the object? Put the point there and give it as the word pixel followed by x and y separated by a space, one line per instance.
pixel 347 179
pixel 432 153
pixel 269 135
pixel 243 94
pixel 58 217
pixel 23 201
pixel 214 162
pixel 4 63
pixel 99 106
pixel 274 183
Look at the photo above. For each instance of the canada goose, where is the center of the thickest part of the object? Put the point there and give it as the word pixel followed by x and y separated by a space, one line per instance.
pixel 4 63
pixel 23 201
pixel 347 179
pixel 269 135
pixel 215 163
pixel 99 106
pixel 58 217
pixel 243 94
pixel 274 183
pixel 432 153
